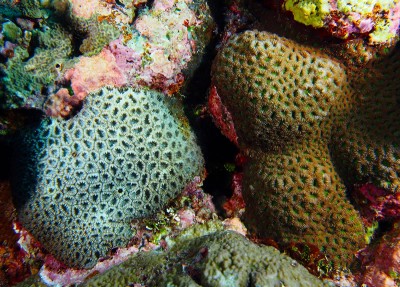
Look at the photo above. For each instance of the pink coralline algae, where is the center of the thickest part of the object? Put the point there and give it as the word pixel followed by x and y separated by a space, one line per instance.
pixel 93 73
pixel 221 116
pixel 7 50
pixel 235 224
pixel 201 202
pixel 376 203
pixel 61 104
pixel 153 53
pixel 53 273
pixel 381 261
pixel 88 75
pixel 235 205
pixel 13 261
pixel 87 8
pixel 161 46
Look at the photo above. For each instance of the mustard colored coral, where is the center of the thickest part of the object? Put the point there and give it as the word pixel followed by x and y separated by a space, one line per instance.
pixel 289 88
pixel 299 197
pixel 366 142
pixel 284 99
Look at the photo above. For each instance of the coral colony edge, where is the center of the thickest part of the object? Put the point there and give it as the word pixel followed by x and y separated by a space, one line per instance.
pixel 199 143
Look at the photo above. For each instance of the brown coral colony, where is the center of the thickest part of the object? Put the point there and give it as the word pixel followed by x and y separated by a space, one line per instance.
pixel 302 125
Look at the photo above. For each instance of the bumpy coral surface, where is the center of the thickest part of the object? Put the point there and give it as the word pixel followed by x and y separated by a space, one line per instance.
pixel 28 8
pixel 81 181
pixel 366 142
pixel 284 100
pixel 300 198
pixel 165 42
pixel 30 74
pixel 343 18
pixel 283 93
pixel 223 258
pixel 160 49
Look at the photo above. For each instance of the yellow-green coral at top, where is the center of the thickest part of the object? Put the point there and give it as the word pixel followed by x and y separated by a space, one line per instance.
pixel 309 12
pixel 376 17
pixel 382 32
pixel 363 6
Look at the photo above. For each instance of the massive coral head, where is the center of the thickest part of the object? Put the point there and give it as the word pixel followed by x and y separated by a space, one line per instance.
pixel 79 182
pixel 277 91
pixel 283 99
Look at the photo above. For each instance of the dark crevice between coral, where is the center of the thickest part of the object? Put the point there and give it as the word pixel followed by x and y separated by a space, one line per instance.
pixel 149 4
pixel 120 3
pixel 18 119
pixel 194 273
pixel 217 11
pixel 218 151
pixel 18 156
pixel 250 281
pixel 4 160
pixel 77 40
pixel 140 7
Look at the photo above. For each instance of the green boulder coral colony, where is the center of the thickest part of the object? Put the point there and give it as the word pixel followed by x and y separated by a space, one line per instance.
pixel 219 259
pixel 79 182
pixel 210 257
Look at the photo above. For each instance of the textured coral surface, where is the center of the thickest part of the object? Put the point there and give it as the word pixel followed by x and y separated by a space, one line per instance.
pixel 299 197
pixel 79 182
pixel 281 97
pixel 222 258
pixel 85 45
pixel 366 142
pixel 276 92
pixel 205 255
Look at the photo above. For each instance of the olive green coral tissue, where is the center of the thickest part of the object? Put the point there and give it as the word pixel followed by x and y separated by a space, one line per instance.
pixel 222 259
